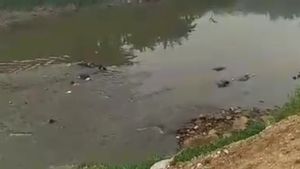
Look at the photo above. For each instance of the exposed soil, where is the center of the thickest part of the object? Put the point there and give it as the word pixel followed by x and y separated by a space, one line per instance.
pixel 278 147
pixel 207 128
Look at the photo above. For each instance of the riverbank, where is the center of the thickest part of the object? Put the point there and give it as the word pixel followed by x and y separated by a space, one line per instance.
pixel 274 144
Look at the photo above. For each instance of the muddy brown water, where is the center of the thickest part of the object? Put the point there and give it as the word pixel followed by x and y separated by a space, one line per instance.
pixel 163 54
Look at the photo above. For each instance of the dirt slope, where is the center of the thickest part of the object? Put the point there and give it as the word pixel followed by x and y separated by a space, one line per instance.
pixel 278 147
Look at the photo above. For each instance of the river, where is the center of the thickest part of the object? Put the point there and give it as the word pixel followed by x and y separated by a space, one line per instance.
pixel 160 57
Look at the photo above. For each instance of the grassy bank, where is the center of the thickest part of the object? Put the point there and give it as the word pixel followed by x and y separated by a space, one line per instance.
pixel 29 4
pixel 188 154
pixel 143 165
pixel 292 107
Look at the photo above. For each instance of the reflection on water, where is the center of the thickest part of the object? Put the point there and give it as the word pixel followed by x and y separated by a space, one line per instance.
pixel 106 35
pixel 110 35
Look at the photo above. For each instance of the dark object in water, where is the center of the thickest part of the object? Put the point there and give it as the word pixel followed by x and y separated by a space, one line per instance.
pixel 92 65
pixel 84 77
pixel 87 64
pixel 223 83
pixel 246 77
pixel 220 68
pixel 295 77
pixel 212 20
pixel 72 82
pixel 51 121
pixel 101 67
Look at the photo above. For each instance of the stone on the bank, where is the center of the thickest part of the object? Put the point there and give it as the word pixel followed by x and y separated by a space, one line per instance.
pixel 164 164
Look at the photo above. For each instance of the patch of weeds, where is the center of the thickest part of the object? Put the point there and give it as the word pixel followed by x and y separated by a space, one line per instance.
pixel 190 153
pixel 292 107
pixel 143 165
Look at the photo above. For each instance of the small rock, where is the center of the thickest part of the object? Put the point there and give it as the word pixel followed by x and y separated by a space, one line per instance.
pixel 199 165
pixel 226 151
pixel 196 127
pixel 177 137
pixel 228 117
pixel 162 164
pixel 10 102
pixel 201 116
pixel 238 111
pixel 294 77
pixel 212 132
pixel 261 101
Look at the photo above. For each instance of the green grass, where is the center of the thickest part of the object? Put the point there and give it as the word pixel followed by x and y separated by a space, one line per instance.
pixel 292 107
pixel 143 165
pixel 29 4
pixel 190 153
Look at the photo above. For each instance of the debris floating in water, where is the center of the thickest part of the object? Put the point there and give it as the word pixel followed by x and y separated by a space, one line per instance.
pixel 51 121
pixel 92 65
pixel 68 92
pixel 211 19
pixel 220 68
pixel 85 77
pixel 297 76
pixel 223 83
pixel 19 134
pixel 73 83
pixel 245 77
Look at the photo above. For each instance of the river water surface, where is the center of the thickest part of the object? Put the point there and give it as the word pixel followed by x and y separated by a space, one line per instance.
pixel 160 57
